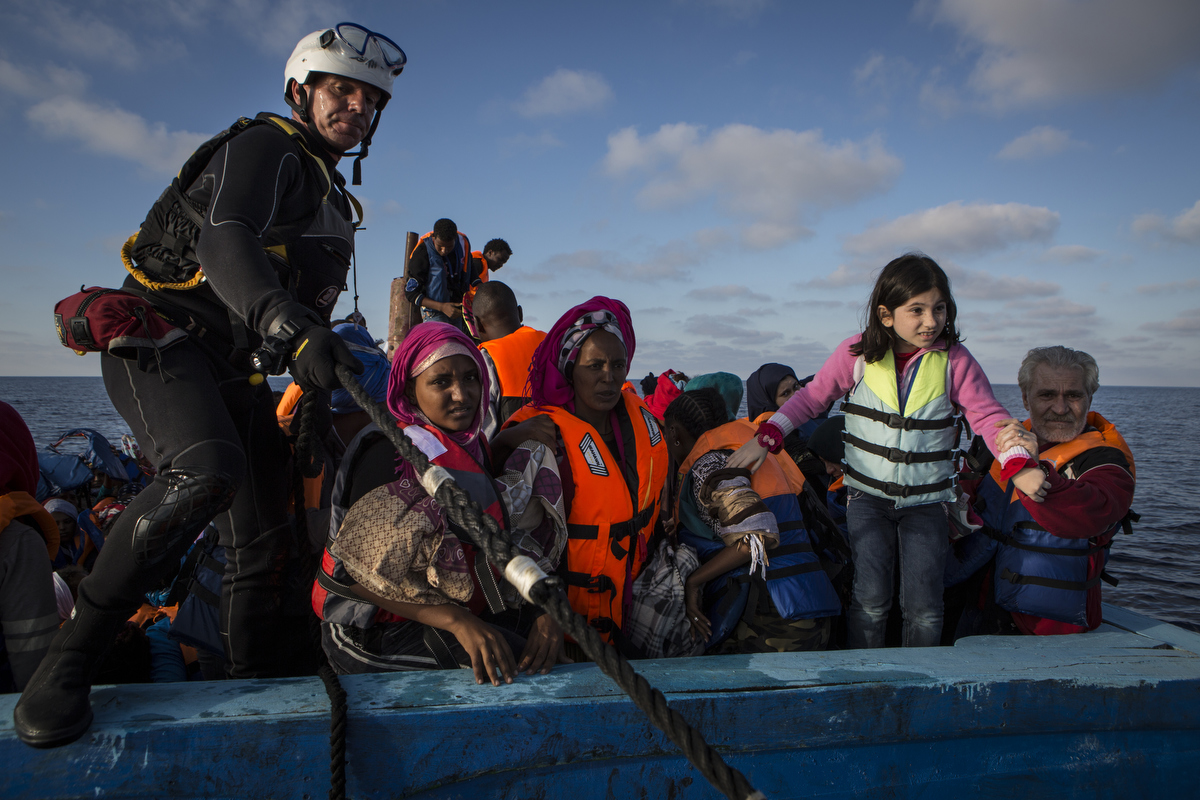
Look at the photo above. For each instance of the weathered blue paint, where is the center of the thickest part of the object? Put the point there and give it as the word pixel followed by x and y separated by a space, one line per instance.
pixel 1113 713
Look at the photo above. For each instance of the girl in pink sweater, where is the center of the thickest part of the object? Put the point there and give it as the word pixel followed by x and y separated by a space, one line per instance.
pixel 907 378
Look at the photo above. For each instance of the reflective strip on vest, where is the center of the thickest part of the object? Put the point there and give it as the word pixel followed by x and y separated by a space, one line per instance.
pixel 926 401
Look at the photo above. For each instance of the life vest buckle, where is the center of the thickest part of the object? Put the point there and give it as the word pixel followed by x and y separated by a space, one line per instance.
pixel 898 456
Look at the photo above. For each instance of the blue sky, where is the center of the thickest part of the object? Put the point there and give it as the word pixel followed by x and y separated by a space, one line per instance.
pixel 735 171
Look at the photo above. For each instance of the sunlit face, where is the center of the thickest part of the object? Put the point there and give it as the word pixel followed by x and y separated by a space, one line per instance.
pixel 340 110
pixel 600 372
pixel 444 247
pixel 1057 402
pixel 495 260
pixel 786 388
pixel 448 392
pixel 918 322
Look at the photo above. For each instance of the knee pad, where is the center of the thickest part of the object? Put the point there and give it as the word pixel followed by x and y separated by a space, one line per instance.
pixel 192 499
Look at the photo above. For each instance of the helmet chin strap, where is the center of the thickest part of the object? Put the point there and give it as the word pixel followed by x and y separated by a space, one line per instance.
pixel 363 147
pixel 300 108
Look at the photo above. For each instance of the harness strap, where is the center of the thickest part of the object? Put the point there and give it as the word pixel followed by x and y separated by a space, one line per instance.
pixel 439 649
pixel 896 420
pixel 331 585
pixel 487 582
pixel 1009 541
pixel 895 454
pixel 199 590
pixel 896 490
pixel 592 583
pixel 1052 583
pixel 794 569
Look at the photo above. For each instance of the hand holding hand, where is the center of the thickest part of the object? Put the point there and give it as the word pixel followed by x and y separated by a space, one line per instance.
pixel 1015 435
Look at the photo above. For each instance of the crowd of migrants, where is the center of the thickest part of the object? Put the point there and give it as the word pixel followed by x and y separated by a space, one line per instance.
pixel 667 544
pixel 259 536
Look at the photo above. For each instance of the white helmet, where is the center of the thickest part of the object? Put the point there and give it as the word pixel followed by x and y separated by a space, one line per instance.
pixel 351 51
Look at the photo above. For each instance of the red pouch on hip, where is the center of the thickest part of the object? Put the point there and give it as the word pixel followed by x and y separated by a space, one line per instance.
pixel 97 320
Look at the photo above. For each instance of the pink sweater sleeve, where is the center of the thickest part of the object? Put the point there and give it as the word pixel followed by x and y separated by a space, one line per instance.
pixel 972 393
pixel 833 379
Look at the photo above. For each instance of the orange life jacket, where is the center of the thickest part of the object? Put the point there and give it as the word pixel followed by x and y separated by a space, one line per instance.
pixel 512 356
pixel 607 527
pixel 781 475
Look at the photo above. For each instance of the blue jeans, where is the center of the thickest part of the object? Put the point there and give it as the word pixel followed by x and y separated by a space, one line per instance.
pixel 920 535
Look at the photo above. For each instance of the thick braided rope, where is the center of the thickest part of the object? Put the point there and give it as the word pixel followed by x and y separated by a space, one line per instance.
pixel 485 533
pixel 337 731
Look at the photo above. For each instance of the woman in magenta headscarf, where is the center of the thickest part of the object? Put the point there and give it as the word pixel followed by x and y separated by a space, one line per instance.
pixel 613 459
pixel 400 587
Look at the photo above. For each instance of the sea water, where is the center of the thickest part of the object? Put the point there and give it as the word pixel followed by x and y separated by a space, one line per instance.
pixel 1158 566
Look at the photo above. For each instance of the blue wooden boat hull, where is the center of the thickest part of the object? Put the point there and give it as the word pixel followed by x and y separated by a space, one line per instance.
pixel 1114 713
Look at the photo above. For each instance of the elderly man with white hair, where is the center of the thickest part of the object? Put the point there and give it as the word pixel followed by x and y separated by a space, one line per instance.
pixel 1050 539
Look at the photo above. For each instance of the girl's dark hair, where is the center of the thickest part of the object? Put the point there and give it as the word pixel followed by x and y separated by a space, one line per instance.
pixel 910 274
pixel 698 411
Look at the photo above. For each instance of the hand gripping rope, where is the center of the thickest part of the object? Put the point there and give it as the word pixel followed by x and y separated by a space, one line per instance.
pixel 545 592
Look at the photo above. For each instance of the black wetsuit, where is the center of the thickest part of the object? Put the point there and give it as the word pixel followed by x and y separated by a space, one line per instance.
pixel 196 414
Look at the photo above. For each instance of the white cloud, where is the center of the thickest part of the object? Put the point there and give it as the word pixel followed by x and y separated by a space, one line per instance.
pixel 981 285
pixel 273 26
pixel 1183 228
pixel 727 326
pixel 1041 141
pixel 1071 254
pixel 1037 52
pixel 115 132
pixel 50 81
pixel 566 91
pixel 1186 322
pixel 957 229
pixel 63 114
pixel 1190 285
pixel 772 179
pixel 938 97
pixel 659 266
pixel 730 292
pixel 74 30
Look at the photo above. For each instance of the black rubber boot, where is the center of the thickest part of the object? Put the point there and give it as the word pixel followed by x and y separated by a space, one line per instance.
pixel 55 708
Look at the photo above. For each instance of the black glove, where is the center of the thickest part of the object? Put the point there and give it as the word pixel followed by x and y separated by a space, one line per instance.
pixel 317 351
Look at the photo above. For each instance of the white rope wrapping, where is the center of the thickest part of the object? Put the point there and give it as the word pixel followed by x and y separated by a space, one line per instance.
pixel 523 572
pixel 433 478
pixel 758 555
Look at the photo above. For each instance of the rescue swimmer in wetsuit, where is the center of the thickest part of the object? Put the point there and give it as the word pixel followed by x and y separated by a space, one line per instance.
pixel 253 282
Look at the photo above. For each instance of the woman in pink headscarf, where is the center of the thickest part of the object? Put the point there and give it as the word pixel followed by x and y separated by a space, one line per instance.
pixel 400 587
pixel 613 459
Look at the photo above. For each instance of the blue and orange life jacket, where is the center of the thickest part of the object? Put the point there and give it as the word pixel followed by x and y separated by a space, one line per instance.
pixel 799 586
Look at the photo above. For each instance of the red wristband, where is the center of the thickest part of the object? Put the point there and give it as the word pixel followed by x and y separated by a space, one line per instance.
pixel 770 437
